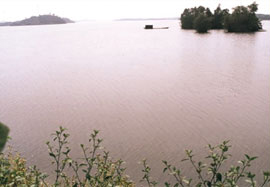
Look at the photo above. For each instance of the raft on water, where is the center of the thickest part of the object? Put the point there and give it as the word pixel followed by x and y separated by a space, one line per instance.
pixel 151 27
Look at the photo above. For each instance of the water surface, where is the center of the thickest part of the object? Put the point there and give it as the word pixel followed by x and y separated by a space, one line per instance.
pixel 152 93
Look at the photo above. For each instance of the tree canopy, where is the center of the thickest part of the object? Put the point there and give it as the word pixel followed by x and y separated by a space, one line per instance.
pixel 218 18
pixel 243 19
pixel 202 23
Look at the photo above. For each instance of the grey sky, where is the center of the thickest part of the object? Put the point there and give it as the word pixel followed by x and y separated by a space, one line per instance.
pixel 11 10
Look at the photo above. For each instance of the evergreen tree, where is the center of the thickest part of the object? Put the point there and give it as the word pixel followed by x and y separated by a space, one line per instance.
pixel 219 17
pixel 187 18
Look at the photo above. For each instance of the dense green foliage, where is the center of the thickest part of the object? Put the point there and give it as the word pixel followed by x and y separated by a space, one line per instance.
pixel 95 168
pixel 3 135
pixel 218 18
pixel 14 172
pixel 189 16
pixel 202 23
pixel 242 19
pixel 211 174
pixel 202 19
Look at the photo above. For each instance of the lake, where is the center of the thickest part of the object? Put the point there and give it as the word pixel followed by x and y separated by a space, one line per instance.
pixel 151 93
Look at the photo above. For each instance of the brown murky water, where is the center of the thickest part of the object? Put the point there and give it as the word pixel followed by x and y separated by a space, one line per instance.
pixel 152 93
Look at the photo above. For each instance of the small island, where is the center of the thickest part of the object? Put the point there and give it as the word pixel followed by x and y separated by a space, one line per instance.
pixel 242 19
pixel 39 20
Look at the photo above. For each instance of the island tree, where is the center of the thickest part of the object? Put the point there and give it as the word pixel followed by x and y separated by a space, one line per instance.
pixel 243 19
pixel 187 18
pixel 219 18
pixel 202 23
pixel 195 18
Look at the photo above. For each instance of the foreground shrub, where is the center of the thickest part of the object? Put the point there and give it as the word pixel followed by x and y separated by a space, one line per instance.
pixel 14 172
pixel 3 135
pixel 96 169
pixel 209 174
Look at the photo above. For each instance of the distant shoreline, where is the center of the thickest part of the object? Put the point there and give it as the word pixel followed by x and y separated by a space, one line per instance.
pixel 146 19
pixel 262 17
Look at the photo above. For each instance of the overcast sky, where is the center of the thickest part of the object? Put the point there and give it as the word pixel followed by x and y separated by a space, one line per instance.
pixel 11 10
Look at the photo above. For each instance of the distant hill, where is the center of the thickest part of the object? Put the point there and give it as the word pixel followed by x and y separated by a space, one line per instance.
pixel 263 16
pixel 39 20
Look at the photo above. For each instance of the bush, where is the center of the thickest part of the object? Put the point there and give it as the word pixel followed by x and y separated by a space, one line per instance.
pixel 97 169
pixel 209 174
pixel 14 172
pixel 3 135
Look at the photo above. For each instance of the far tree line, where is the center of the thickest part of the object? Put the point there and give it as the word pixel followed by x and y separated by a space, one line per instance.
pixel 242 19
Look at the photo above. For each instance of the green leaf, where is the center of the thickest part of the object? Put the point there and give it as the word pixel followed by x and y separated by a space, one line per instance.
pixel 167 184
pixel 247 156
pixel 253 158
pixel 164 170
pixel 219 177
pixel 87 176
pixel 52 155
pixel 65 153
pixel 75 185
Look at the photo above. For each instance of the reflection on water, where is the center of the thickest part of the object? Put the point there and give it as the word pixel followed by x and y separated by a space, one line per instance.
pixel 151 93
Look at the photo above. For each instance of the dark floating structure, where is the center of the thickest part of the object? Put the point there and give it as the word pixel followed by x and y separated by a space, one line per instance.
pixel 151 27
pixel 148 27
